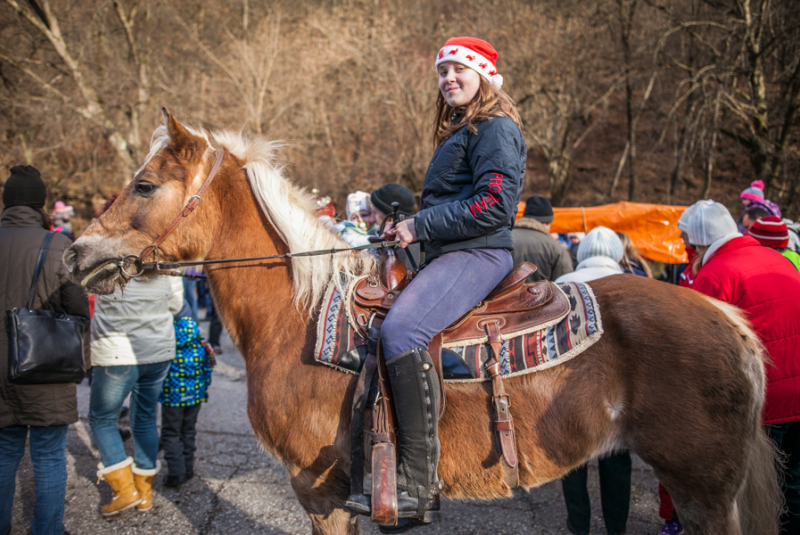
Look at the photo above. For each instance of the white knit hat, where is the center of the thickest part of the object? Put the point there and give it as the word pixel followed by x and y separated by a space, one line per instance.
pixel 710 222
pixel 601 241
pixel 686 216
pixel 357 202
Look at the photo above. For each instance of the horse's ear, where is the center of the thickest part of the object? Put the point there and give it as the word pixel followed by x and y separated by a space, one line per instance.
pixel 183 142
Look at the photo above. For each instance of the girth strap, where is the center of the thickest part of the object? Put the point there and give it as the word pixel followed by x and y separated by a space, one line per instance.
pixel 357 424
pixel 435 351
pixel 503 423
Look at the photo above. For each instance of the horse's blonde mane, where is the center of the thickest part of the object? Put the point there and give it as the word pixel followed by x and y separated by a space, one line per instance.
pixel 291 211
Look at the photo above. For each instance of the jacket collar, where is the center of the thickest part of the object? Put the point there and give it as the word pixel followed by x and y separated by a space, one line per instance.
pixel 599 262
pixel 731 245
pixel 531 224
pixel 719 246
pixel 21 216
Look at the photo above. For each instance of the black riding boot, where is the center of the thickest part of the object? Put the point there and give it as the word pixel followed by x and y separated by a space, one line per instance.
pixel 415 389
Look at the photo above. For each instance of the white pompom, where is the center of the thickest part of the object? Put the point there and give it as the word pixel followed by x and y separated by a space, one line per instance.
pixel 497 81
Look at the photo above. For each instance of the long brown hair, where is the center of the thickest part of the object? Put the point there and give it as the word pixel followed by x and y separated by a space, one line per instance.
pixel 697 263
pixel 632 255
pixel 490 101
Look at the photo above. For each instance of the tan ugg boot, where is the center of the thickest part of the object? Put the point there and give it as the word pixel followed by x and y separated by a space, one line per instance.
pixel 120 478
pixel 144 484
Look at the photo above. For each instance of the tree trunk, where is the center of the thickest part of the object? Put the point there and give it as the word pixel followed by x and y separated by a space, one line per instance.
pixel 93 109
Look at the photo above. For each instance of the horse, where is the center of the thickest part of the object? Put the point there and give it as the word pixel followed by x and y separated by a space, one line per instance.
pixel 677 378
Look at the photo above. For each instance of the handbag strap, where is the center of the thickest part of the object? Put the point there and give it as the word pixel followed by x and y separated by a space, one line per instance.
pixel 38 270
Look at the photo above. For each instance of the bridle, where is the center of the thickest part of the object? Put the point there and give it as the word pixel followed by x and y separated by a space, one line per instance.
pixel 194 201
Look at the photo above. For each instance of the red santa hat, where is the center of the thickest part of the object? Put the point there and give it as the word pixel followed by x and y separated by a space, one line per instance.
pixel 476 54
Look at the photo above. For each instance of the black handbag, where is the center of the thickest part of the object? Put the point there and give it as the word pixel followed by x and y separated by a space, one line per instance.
pixel 44 347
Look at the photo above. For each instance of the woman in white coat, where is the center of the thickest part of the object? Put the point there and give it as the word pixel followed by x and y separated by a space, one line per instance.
pixel 133 342
pixel 599 255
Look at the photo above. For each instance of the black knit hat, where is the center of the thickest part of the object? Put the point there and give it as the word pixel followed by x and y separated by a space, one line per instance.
pixel 383 198
pixel 539 208
pixel 24 187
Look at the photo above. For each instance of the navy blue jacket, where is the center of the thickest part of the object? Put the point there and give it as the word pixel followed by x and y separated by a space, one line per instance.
pixel 472 188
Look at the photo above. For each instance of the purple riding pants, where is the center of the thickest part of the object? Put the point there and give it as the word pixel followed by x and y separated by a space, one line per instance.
pixel 440 294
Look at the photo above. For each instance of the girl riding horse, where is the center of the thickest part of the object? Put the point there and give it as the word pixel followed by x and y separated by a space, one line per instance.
pixel 469 200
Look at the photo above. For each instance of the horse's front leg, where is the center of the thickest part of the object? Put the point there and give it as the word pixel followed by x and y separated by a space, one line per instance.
pixel 322 495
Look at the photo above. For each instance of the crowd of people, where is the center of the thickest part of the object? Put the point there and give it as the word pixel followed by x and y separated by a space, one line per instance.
pixel 146 345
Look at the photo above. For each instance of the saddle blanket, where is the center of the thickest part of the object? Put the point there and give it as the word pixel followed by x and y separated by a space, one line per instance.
pixel 340 345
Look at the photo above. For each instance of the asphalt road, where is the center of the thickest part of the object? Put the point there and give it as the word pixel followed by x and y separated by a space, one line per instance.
pixel 240 489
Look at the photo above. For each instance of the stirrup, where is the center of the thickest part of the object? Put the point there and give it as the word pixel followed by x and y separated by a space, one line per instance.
pixel 360 504
pixel 424 510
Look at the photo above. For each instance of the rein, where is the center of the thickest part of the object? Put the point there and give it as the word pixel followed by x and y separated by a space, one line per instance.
pixel 175 265
pixel 141 266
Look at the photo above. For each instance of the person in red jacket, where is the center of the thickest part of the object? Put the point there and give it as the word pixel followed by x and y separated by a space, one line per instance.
pixel 666 509
pixel 736 269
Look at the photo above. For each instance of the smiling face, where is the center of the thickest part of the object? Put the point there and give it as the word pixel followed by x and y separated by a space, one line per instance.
pixel 458 83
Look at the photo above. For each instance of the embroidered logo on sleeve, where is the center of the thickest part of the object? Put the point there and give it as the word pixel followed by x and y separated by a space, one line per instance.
pixel 496 182
pixel 495 186
pixel 482 204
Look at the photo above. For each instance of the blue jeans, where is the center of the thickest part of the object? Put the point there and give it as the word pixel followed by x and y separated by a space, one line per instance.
pixel 189 286
pixel 49 458
pixel 441 293
pixel 110 386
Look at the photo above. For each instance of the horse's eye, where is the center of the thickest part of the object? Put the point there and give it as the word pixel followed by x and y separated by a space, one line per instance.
pixel 144 188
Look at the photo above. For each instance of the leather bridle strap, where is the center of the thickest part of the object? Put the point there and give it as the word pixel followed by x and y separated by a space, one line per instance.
pixel 194 201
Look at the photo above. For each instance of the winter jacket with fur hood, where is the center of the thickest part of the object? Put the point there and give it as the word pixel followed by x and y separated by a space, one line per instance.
pixel 21 237
pixel 472 188
pixel 533 243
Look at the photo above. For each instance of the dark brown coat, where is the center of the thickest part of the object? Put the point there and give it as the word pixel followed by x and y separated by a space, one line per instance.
pixel 21 236
pixel 532 243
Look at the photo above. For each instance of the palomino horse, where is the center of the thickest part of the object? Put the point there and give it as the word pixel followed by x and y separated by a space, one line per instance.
pixel 677 378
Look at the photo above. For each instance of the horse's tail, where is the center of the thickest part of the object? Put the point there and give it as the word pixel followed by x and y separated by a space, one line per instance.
pixel 760 500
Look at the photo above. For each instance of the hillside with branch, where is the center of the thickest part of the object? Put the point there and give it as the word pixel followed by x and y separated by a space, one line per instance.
pixel 663 101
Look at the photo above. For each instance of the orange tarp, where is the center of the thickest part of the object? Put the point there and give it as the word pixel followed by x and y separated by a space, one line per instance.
pixel 652 227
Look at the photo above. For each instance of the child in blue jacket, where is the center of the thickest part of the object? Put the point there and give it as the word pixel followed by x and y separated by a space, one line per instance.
pixel 185 388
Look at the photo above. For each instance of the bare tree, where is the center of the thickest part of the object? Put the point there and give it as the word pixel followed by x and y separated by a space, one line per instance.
pixel 652 92
pixel 91 106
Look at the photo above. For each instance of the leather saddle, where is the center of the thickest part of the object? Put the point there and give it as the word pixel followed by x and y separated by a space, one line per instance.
pixel 513 305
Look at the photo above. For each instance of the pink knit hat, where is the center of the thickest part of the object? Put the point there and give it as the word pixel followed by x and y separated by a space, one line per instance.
pixel 755 192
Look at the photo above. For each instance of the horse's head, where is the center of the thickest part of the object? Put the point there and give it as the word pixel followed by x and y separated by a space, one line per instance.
pixel 178 163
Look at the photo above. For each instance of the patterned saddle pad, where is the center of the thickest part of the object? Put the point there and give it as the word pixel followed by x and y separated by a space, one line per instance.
pixel 339 344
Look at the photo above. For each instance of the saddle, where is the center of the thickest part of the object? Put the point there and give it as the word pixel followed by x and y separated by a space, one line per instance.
pixel 511 309
pixel 513 306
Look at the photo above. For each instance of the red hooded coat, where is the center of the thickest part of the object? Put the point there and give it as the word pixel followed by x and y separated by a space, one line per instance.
pixel 766 286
